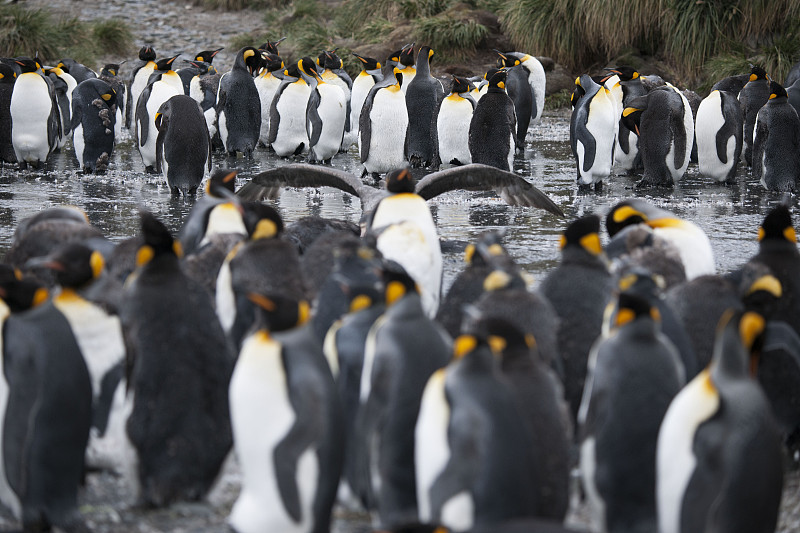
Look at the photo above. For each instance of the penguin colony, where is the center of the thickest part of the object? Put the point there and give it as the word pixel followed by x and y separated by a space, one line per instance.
pixel 678 421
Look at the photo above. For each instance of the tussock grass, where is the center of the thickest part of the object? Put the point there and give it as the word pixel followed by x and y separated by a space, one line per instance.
pixel 24 31
pixel 113 37
pixel 451 37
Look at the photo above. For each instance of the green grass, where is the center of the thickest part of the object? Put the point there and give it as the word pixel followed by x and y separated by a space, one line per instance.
pixel 453 39
pixel 558 100
pixel 24 31
pixel 112 37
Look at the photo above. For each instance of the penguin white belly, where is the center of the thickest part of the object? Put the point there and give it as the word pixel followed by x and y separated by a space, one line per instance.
pixel 223 218
pixel 7 496
pixel 292 128
pixel 118 119
pixel 225 298
pixel 160 93
pixel 365 386
pixel 266 85
pixel 622 160
pixel 389 122
pixel 332 112
pixel 432 449
pixel 261 416
pixel 139 83
pixel 675 459
pixel 679 170
pixel 538 81
pixel 78 143
pixel 452 126
pixel 458 513
pixel 602 123
pixel 30 110
pixel 361 87
pixel 210 115
pixel 588 464
pixel 408 75
pixel 331 78
pixel 709 121
pixel 694 247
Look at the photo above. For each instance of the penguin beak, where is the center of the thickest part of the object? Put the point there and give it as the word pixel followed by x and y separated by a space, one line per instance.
pixel 45 262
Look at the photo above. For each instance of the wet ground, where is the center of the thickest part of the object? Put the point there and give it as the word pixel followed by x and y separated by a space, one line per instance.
pixel 729 214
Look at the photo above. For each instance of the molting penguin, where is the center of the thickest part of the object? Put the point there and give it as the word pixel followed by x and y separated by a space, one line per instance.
pixel 593 128
pixel 138 81
pixel 519 90
pixel 287 423
pixel 383 125
pixel 172 362
pixel 164 84
pixel 183 145
pixel 422 98
pixel 370 75
pixel 238 104
pixel 452 124
pixel 626 149
pixel 267 85
pixel 326 114
pixel 633 375
pixel 93 120
pixel 34 116
pixel 752 98
pixel 665 128
pixel 492 131
pixel 719 458
pixel 287 114
pixel 109 74
pixel 718 133
pixel 186 74
pixel 331 70
pixel 7 79
pixel 776 143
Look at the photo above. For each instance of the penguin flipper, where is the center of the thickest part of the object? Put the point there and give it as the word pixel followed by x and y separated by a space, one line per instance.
pixel 365 124
pixel 162 134
pixel 313 120
pixel 760 138
pixel 77 112
pixel 514 189
pixel 142 119
pixel 274 116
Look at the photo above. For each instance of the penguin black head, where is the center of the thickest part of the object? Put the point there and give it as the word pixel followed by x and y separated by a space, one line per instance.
pixel 328 59
pixel 207 56
pixel 461 85
pixel 165 64
pixel 26 64
pixel 147 53
pixel 625 73
pixel 489 73
pixel 279 313
pixel 425 54
pixel 22 294
pixel 271 46
pixel 639 280
pixel 248 58
pixel 400 180
pixel 397 281
pixel 110 69
pixel 584 233
pixel 488 246
pixel 306 66
pixel 221 178
pixel 758 73
pixel 201 66
pixel 630 307
pixel 778 226
pixel 74 264
pixel 272 62
pixel 577 93
pixel 158 240
pixel 292 71
pixel 398 76
pixel 776 90
pixel 368 63
pixel 624 214
pixel 737 332
pixel 499 333
pixel 762 294
pixel 262 221
pixel 406 55
pixel 7 74
pixel 506 60
pixel 497 82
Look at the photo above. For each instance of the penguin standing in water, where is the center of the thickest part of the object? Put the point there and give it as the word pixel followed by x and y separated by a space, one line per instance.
pixel 183 145
pixel 94 115
pixel 492 131
pixel 63 85
pixel 718 133
pixel 626 148
pixel 719 458
pixel 7 79
pixel 267 85
pixel 422 98
pixel 140 75
pixel 109 74
pixel 287 114
pixel 452 124
pixel 287 423
pixel 776 144
pixel 163 85
pixel 331 70
pixel 34 116
pixel 171 362
pixel 188 73
pixel 238 105
pixel 633 375
pixel 370 75
pixel 752 98
pixel 665 128
pixel 593 128
pixel 519 90
pixel 218 212
pixel 326 114
pixel 537 80
pixel 383 125
pixel 203 89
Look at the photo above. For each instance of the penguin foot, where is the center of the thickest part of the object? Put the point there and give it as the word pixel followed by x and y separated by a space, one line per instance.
pixel 150 169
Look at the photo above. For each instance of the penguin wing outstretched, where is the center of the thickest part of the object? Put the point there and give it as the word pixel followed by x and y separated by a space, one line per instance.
pixel 477 177
pixel 304 175
pixel 142 123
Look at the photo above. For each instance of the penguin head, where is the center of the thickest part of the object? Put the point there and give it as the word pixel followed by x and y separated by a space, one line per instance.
pixel 577 93
pixel 737 344
pixel 761 292
pixel 406 55
pixel 362 296
pixel 497 81
pixel 158 240
pixel 221 183
pixel 147 53
pixel 328 59
pixel 248 58
pixel 111 69
pixel 639 280
pixel 397 282
pixel 21 294
pixel 272 62
pixel 7 74
pixel 625 73
pixel 368 63
pixel 262 221
pixel 777 226
pixel 758 73
pixel 400 180
pixel 26 64
pixel 207 56
pixel 74 264
pixel 201 66
pixel 632 114
pixel 306 66
pixel 424 55
pixel 292 72
pixel 776 90
pixel 272 46
pixel 488 246
pixel 398 77
pixel 394 58
pixel 461 85
pixel 631 307
pixel 625 213
pixel 275 312
pixel 506 60
pixel 165 64
pixel 501 335
pixel 583 233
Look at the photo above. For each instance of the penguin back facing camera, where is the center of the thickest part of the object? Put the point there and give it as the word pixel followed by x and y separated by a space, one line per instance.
pixel 183 145
pixel 519 90
pixel 776 143
pixel 93 123
pixel 422 98
pixel 752 98
pixel 492 130
pixel 238 104
pixel 7 79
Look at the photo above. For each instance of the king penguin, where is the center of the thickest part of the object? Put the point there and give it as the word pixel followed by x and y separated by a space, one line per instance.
pixel 452 124
pixel 752 98
pixel 218 212
pixel 383 125
pixel 63 85
pixel 718 134
pixel 34 116
pixel 593 128
pixel 405 60
pixel 776 143
pixel 492 130
pixel 7 79
pixel 331 70
pixel 370 75
pixel 238 104
pixel 719 458
pixel 138 81
pixel 326 113
pixel 93 122
pixel 422 98
pixel 519 90
pixel 183 145
pixel 537 80
pixel 267 84
pixel 287 114
pixel 110 75
pixel 626 149
pixel 164 83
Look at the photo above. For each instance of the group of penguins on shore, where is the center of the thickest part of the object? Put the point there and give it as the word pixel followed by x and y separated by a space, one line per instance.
pixel 327 362
pixel 396 113
pixel 642 124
